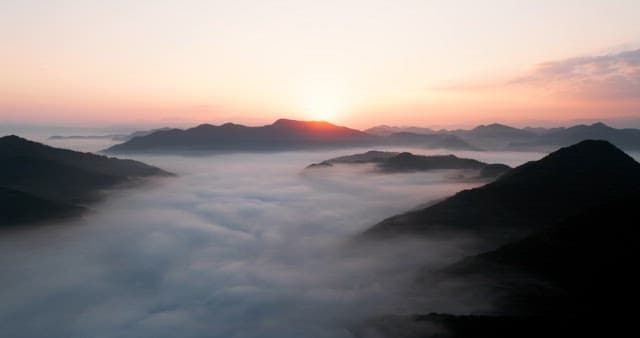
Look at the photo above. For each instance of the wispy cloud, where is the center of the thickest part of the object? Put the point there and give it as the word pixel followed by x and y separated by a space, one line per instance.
pixel 610 77
pixel 604 77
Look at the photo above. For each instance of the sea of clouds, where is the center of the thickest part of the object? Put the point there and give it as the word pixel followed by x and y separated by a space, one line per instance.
pixel 237 245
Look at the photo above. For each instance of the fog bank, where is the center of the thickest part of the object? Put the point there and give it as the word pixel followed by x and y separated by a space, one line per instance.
pixel 238 245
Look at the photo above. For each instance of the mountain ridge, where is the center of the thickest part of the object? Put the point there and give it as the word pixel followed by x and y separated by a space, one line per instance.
pixel 399 162
pixel 38 180
pixel 281 135
pixel 526 198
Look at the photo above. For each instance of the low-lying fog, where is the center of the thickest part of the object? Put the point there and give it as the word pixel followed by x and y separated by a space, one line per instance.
pixel 238 245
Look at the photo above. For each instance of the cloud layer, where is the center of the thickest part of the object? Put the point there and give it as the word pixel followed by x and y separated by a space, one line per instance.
pixel 236 246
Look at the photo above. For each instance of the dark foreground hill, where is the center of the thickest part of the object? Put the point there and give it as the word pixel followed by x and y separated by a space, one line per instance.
pixel 39 181
pixel 395 162
pixel 527 198
pixel 281 135
pixel 574 278
pixel 17 207
pixel 577 266
pixel 572 275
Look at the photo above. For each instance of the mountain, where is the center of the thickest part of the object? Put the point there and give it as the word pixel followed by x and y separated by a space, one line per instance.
pixel 435 141
pixel 281 135
pixel 384 130
pixel 372 156
pixel 394 162
pixel 17 207
pixel 497 130
pixel 572 267
pixel 493 136
pixel 527 198
pixel 628 139
pixel 498 136
pixel 574 278
pixel 571 277
pixel 138 134
pixel 44 180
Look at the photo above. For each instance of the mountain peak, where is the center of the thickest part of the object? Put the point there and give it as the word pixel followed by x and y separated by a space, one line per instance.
pixel 493 126
pixel 592 150
pixel 530 196
pixel 587 162
pixel 600 125
pixel 13 138
pixel 14 143
pixel 282 122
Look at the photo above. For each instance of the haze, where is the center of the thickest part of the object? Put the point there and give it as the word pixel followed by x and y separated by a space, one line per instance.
pixel 244 245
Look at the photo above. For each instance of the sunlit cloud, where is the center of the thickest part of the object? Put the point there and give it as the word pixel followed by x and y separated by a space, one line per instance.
pixel 604 77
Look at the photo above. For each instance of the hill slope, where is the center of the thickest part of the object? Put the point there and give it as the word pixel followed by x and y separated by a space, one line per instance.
pixel 568 268
pixel 394 162
pixel 528 197
pixel 43 180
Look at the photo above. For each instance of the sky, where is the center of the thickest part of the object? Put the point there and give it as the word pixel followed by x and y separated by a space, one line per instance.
pixel 356 63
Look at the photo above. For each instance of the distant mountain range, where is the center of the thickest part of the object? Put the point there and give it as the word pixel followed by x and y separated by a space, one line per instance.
pixel 38 182
pixel 384 130
pixel 281 135
pixel 287 134
pixel 396 162
pixel 502 137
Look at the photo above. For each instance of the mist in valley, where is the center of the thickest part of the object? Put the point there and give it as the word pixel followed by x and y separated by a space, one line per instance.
pixel 237 245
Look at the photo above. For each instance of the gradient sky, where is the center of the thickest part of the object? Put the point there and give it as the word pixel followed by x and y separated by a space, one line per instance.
pixel 358 63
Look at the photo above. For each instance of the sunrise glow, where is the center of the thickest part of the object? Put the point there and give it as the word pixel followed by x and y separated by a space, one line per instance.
pixel 356 62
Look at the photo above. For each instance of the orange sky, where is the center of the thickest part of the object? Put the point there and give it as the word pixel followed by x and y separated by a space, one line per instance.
pixel 358 63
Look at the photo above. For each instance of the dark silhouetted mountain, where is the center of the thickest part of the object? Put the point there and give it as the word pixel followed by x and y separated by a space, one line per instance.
pixel 409 162
pixel 17 207
pixel 574 278
pixel 138 134
pixel 372 156
pixel 494 170
pixel 281 135
pixel 437 325
pixel 527 198
pixel 53 178
pixel 577 266
pixel 394 162
pixel 628 139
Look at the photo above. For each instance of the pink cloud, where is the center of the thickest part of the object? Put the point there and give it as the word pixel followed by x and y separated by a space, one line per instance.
pixel 605 77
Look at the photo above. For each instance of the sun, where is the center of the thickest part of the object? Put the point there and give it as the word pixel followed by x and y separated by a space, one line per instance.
pixel 323 107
